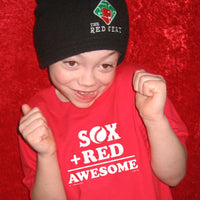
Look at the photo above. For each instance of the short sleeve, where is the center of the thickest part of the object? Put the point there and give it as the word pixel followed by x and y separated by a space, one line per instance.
pixel 28 160
pixel 176 122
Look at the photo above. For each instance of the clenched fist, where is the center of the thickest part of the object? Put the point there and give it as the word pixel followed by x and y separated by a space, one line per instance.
pixel 35 131
pixel 150 95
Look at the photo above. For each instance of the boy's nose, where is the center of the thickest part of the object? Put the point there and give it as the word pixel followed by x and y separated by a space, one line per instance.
pixel 87 78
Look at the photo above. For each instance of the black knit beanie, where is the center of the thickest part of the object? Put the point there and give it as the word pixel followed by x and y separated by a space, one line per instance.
pixel 65 28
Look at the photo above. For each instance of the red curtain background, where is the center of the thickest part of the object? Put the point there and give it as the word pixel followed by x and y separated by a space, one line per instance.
pixel 164 35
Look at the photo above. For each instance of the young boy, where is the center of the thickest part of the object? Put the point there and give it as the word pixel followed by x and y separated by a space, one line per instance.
pixel 104 130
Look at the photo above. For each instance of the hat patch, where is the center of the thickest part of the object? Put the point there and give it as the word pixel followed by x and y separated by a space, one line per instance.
pixel 105 11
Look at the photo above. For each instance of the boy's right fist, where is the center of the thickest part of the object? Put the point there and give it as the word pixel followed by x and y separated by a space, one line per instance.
pixel 35 131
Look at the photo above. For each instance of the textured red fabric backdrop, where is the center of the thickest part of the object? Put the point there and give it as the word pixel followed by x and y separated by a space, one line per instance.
pixel 164 35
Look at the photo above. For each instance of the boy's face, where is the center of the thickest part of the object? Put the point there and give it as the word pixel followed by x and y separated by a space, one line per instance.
pixel 82 78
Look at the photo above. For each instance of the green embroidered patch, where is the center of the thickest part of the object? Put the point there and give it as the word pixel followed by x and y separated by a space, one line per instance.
pixel 105 11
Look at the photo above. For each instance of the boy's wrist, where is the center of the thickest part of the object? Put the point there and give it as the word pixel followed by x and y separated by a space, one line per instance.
pixel 51 155
pixel 155 122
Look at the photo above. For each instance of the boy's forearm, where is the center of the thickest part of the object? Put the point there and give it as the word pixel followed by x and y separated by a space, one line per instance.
pixel 48 181
pixel 168 154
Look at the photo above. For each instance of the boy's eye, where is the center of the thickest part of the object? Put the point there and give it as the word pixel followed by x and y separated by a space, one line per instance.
pixel 71 63
pixel 106 66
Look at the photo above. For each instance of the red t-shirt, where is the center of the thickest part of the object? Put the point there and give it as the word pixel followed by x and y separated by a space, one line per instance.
pixel 103 150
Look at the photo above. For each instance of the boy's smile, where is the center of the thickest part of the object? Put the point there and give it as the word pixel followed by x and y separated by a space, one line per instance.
pixel 82 78
pixel 86 96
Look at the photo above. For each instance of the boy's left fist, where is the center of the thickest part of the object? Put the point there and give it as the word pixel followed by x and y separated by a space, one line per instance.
pixel 150 95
